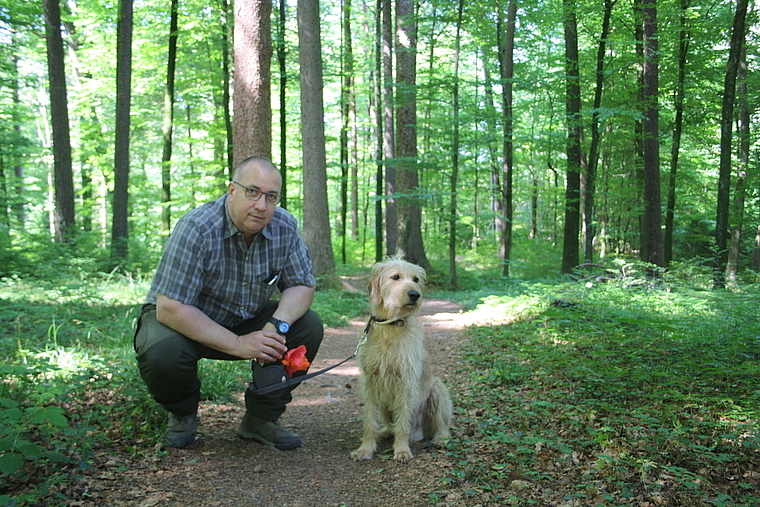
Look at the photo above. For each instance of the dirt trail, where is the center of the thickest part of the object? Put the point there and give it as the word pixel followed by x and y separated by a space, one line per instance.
pixel 222 469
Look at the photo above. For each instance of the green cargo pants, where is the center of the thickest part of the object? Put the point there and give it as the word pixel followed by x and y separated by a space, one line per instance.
pixel 168 361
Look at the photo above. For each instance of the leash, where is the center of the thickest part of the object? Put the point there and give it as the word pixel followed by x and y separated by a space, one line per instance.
pixel 284 381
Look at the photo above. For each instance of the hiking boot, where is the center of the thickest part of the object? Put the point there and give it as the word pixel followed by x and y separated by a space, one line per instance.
pixel 181 431
pixel 269 433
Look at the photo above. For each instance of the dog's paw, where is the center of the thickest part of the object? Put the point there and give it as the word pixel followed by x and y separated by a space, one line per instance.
pixel 362 453
pixel 402 455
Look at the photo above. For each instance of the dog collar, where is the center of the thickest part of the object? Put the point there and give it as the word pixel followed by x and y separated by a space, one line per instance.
pixel 389 322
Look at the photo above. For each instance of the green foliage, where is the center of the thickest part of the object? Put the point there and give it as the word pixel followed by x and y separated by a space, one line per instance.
pixel 618 394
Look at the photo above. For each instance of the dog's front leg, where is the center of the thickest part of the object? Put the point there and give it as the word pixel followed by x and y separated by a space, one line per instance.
pixel 371 433
pixel 402 428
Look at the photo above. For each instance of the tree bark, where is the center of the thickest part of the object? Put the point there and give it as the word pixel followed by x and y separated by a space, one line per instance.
pixel 252 118
pixel 168 125
pixel 573 145
pixel 593 159
pixel 651 141
pixel 120 231
pixel 63 177
pixel 678 104
pixel 389 142
pixel 506 45
pixel 409 219
pixel 282 66
pixel 379 131
pixel 732 268
pixel 724 172
pixel 454 182
pixel 316 221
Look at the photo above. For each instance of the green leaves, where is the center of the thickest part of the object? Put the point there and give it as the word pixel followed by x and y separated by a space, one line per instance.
pixel 636 393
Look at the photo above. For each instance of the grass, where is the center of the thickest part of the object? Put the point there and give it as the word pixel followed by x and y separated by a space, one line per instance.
pixel 71 387
pixel 624 393
pixel 613 395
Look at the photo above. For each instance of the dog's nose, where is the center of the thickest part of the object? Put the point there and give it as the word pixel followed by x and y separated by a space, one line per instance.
pixel 413 295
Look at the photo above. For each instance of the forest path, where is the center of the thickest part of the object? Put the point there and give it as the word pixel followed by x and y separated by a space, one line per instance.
pixel 222 469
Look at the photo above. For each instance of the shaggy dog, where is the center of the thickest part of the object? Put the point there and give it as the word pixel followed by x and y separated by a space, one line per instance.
pixel 401 396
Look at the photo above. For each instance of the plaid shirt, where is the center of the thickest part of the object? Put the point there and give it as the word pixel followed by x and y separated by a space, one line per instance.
pixel 207 264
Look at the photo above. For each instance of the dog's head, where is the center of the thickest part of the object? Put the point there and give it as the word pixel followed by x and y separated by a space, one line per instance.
pixel 395 288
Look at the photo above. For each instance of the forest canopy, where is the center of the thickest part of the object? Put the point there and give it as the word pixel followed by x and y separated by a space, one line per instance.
pixel 495 141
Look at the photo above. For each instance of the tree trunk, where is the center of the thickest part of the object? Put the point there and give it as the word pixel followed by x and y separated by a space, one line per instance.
pixel 409 219
pixel 454 182
pixel 316 221
pixel 379 133
pixel 229 129
pixel 732 267
pixel 63 177
pixel 573 147
pixel 19 204
pixel 282 66
pixel 651 141
pixel 724 173
pixel 593 159
pixel 389 142
pixel 346 106
pixel 680 93
pixel 168 125
pixel 120 231
pixel 507 69
pixel 253 100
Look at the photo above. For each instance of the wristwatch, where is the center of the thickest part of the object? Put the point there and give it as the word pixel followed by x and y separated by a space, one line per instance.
pixel 281 326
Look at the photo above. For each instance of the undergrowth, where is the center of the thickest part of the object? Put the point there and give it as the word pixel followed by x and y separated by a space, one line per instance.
pixel 612 394
pixel 70 386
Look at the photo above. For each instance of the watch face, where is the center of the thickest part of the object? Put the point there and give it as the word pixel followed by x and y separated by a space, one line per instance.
pixel 283 327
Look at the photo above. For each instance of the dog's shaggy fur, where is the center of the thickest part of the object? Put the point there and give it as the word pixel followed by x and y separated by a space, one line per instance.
pixel 401 396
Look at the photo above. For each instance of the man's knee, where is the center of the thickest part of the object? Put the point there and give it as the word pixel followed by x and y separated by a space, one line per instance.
pixel 310 331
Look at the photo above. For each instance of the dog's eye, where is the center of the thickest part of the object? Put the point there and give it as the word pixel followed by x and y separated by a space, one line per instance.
pixel 396 277
pixel 416 280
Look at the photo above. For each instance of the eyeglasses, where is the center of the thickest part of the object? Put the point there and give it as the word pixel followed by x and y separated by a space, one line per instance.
pixel 255 194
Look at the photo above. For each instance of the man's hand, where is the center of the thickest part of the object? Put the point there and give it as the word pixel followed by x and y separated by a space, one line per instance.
pixel 266 345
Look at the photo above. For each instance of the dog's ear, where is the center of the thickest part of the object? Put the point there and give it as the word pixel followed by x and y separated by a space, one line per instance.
pixel 421 274
pixel 373 287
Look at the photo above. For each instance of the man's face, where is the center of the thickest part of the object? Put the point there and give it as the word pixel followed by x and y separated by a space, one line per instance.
pixel 252 216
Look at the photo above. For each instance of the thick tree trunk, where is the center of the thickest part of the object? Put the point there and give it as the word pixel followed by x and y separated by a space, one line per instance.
pixel 316 218
pixel 409 219
pixel 651 141
pixel 573 147
pixel 253 98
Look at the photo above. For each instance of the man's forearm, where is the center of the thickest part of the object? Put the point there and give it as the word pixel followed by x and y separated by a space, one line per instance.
pixel 294 303
pixel 194 324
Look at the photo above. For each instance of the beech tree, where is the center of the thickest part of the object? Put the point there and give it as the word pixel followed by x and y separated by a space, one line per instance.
pixel 573 141
pixel 63 222
pixel 252 45
pixel 316 221
pixel 120 228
